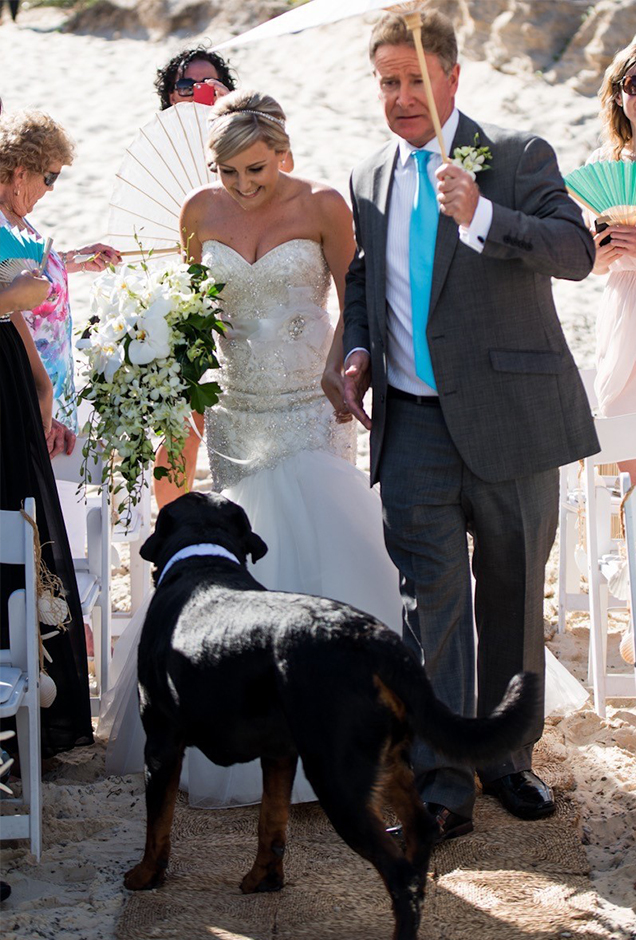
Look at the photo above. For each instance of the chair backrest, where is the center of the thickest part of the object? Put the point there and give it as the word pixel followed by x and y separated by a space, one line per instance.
pixel 17 547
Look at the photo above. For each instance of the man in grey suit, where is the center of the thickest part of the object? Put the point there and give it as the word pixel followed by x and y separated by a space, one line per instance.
pixel 476 397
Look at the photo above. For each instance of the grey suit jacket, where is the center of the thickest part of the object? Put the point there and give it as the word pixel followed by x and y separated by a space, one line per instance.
pixel 509 389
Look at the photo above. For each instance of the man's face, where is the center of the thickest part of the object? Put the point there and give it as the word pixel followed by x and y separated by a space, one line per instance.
pixel 402 93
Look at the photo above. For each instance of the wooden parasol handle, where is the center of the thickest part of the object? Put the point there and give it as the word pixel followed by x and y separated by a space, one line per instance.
pixel 414 23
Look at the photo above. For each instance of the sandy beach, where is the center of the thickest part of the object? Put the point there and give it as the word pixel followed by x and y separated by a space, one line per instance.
pixel 100 89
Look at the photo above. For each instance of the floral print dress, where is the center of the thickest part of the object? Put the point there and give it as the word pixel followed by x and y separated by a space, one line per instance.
pixel 51 327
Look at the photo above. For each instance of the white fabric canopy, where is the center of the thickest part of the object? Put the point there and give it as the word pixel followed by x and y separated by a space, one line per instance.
pixel 314 13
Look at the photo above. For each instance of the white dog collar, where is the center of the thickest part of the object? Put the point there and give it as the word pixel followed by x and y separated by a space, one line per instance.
pixel 203 548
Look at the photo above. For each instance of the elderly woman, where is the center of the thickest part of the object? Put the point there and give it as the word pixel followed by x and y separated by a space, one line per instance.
pixel 33 151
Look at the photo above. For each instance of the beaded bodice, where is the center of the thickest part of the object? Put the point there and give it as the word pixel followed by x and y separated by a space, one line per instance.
pixel 272 359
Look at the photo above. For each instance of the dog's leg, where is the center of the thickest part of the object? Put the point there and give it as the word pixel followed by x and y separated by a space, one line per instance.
pixel 267 871
pixel 359 821
pixel 418 825
pixel 163 769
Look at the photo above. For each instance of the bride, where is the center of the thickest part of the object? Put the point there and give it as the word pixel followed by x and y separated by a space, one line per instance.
pixel 276 444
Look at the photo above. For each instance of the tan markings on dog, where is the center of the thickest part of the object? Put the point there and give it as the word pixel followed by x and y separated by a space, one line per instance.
pixel 267 871
pixel 390 699
pixel 151 870
pixel 405 801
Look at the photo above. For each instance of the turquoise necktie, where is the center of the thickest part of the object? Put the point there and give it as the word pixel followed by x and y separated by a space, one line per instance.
pixel 422 236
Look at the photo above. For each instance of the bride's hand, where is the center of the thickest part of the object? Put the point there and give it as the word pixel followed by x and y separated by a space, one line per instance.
pixel 333 387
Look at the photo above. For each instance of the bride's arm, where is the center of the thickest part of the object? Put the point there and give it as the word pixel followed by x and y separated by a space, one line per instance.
pixel 189 227
pixel 338 245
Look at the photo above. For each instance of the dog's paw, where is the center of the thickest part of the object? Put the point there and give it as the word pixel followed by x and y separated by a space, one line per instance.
pixel 259 880
pixel 143 878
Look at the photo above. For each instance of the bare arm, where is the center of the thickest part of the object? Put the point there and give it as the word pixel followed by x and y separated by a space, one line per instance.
pixel 338 246
pixel 189 228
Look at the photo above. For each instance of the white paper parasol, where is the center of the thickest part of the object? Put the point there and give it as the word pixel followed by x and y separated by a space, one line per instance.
pixel 322 12
pixel 164 163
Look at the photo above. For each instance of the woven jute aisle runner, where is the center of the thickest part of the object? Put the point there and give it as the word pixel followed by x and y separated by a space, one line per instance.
pixel 506 881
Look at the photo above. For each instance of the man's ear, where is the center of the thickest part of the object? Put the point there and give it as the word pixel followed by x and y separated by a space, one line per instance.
pixel 149 551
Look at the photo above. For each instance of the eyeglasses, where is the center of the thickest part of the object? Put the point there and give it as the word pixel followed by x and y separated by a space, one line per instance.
pixel 185 86
pixel 628 85
pixel 49 178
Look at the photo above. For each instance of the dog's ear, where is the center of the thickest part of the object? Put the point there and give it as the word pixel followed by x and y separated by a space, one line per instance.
pixel 149 551
pixel 255 546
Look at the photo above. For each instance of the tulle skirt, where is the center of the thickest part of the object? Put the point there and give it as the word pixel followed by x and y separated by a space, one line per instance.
pixel 323 528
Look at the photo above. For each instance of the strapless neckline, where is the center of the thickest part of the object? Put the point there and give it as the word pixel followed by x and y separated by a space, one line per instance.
pixel 253 264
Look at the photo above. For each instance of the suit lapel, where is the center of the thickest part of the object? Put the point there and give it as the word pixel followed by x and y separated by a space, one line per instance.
pixel 447 237
pixel 382 180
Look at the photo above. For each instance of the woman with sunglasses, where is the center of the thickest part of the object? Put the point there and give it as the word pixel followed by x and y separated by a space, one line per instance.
pixel 175 82
pixel 615 383
pixel 33 151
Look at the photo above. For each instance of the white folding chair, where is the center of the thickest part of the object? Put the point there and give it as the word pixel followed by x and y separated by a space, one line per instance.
pixel 571 515
pixel 20 678
pixel 135 534
pixel 617 437
pixel 88 519
pixel 628 506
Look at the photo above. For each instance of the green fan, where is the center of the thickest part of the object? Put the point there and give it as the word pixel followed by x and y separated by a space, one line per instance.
pixel 607 189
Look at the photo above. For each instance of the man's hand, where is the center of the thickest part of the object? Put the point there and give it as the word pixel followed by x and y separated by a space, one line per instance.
pixel 60 439
pixel 457 193
pixel 357 378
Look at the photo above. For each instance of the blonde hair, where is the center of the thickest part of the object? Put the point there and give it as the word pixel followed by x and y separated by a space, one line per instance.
pixel 616 127
pixel 438 36
pixel 33 140
pixel 244 118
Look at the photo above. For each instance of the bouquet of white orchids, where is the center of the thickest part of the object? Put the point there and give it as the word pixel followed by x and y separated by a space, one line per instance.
pixel 150 341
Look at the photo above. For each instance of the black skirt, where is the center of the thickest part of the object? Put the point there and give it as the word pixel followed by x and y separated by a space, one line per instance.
pixel 25 470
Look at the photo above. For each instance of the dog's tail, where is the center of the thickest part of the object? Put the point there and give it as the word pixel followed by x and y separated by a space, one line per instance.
pixel 468 739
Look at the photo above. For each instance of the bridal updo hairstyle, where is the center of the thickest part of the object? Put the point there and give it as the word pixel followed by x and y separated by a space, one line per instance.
pixel 244 118
pixel 617 129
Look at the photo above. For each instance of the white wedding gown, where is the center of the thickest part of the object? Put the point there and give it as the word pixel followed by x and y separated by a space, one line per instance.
pixel 275 449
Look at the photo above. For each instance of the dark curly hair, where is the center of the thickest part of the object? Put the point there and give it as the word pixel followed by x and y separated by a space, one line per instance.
pixel 168 75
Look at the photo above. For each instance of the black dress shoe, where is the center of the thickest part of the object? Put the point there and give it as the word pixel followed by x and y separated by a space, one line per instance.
pixel 523 794
pixel 450 824
pixel 5 890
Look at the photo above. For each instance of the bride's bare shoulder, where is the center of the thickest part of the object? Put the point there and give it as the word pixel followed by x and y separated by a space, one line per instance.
pixel 320 195
pixel 203 196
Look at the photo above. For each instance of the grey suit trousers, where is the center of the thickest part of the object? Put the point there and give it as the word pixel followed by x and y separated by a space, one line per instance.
pixel 431 501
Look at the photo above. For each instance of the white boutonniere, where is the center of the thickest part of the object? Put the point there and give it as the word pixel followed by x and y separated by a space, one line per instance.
pixel 472 159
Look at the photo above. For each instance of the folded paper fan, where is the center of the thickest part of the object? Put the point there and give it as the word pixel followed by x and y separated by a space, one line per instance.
pixel 164 163
pixel 607 188
pixel 21 251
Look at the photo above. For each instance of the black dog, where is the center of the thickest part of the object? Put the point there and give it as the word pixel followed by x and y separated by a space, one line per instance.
pixel 241 672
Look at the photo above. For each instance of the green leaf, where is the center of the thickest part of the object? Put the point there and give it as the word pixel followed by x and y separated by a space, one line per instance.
pixel 160 472
pixel 203 396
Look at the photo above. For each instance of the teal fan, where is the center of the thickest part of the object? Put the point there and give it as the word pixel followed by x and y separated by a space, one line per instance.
pixel 607 189
pixel 21 251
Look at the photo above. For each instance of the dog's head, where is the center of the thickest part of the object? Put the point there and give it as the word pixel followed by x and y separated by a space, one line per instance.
pixel 201 517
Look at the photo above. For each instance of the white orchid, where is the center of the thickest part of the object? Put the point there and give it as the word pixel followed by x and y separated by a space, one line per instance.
pixel 140 381
pixel 472 159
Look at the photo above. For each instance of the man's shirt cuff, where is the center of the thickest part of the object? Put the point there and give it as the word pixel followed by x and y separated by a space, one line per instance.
pixel 475 234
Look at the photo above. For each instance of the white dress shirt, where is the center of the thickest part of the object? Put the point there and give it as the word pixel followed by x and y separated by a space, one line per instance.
pixel 400 356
